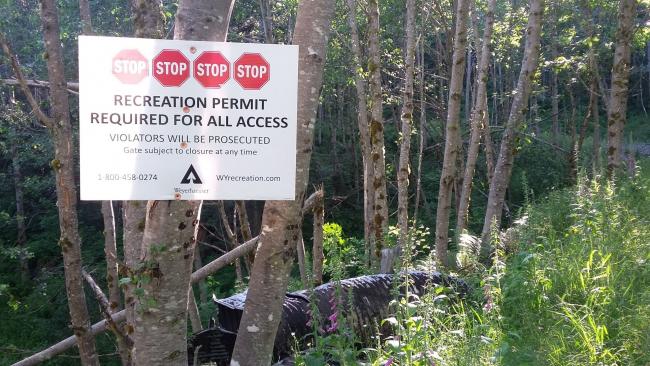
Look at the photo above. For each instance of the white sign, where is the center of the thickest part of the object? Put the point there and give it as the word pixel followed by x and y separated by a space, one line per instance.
pixel 188 120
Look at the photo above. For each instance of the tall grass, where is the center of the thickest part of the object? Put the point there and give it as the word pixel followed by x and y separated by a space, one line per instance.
pixel 574 289
pixel 577 292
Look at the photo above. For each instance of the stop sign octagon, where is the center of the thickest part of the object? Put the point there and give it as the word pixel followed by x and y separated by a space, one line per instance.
pixel 211 69
pixel 171 68
pixel 252 71
pixel 130 67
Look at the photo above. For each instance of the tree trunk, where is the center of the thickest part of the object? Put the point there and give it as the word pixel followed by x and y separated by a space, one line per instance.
pixel 407 119
pixel 302 260
pixel 378 159
pixel 170 230
pixel 595 113
pixel 119 317
pixel 110 250
pixel 193 312
pixel 452 134
pixel 63 165
pixel 617 108
pixel 84 13
pixel 21 227
pixel 232 239
pixel 573 151
pixel 148 22
pixel 421 133
pixel 503 168
pixel 317 245
pixel 555 98
pixel 245 229
pixel 479 119
pixel 282 219
pixel 362 120
pixel 267 21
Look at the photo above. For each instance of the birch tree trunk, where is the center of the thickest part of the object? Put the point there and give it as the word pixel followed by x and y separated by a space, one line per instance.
pixel 617 107
pixel 170 230
pixel 148 22
pixel 407 120
pixel 479 118
pixel 66 189
pixel 360 85
pixel 282 219
pixel 378 159
pixel 452 132
pixel 503 168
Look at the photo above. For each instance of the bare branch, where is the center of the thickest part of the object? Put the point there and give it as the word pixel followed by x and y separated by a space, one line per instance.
pixel 47 121
pixel 72 87
pixel 105 309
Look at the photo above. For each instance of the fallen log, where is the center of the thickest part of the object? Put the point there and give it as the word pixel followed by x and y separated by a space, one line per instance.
pixel 120 316
pixel 364 303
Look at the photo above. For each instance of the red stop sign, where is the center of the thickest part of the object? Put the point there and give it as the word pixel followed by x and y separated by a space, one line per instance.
pixel 211 69
pixel 130 67
pixel 171 68
pixel 252 71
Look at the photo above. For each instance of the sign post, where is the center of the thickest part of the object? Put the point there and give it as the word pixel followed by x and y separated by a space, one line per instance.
pixel 164 120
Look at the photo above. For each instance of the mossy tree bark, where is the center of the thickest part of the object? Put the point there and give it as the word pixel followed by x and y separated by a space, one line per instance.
pixel 617 106
pixel 478 120
pixel 376 133
pixel 282 220
pixel 452 132
pixel 161 273
pixel 503 167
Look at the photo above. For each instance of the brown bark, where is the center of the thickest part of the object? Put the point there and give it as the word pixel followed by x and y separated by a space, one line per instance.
pixel 617 107
pixel 378 159
pixel 503 168
pixel 364 133
pixel 245 229
pixel 478 121
pixel 452 132
pixel 282 219
pixel 110 250
pixel 232 239
pixel 84 13
pixel 63 165
pixel 106 311
pixel 317 245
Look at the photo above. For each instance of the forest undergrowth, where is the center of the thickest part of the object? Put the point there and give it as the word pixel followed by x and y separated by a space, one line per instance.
pixel 570 285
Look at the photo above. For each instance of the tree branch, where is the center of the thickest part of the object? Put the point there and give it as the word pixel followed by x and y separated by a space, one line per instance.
pixel 45 120
pixel 105 309
pixel 71 87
